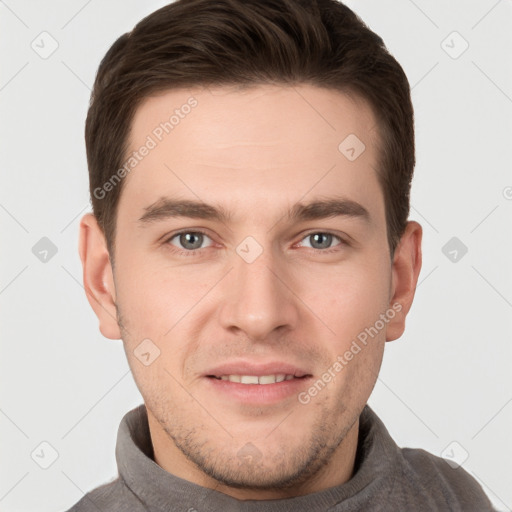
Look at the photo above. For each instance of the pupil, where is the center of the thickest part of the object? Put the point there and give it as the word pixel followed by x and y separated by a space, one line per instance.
pixel 327 240
pixel 187 240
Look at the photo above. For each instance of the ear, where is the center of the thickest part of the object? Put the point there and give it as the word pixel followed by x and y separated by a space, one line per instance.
pixel 404 278
pixel 98 276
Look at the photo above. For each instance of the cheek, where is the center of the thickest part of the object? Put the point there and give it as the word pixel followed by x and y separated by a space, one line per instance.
pixel 348 298
pixel 154 295
pixel 153 298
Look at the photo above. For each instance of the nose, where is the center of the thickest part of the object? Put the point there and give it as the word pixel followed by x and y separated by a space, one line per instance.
pixel 258 298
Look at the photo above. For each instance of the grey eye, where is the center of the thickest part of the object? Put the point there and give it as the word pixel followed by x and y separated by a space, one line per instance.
pixel 321 240
pixel 190 240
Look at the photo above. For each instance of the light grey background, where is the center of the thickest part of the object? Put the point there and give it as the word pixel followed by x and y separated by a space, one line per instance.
pixel 445 386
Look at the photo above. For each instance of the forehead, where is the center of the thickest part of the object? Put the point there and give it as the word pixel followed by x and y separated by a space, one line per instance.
pixel 269 143
pixel 212 117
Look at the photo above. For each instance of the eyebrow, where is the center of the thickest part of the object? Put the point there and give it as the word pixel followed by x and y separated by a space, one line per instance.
pixel 166 208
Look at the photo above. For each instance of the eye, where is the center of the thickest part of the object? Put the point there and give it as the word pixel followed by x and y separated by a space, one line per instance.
pixel 189 240
pixel 321 240
pixel 192 241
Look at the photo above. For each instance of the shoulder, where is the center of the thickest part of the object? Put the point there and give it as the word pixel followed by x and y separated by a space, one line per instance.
pixel 110 497
pixel 450 487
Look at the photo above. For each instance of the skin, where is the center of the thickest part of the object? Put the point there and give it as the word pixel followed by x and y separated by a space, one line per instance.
pixel 256 152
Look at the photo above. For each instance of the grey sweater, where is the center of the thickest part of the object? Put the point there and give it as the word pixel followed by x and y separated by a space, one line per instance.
pixel 386 478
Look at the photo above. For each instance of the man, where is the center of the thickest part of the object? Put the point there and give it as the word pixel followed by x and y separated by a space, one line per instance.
pixel 250 166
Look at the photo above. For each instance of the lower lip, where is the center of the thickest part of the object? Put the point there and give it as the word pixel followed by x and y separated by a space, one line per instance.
pixel 259 394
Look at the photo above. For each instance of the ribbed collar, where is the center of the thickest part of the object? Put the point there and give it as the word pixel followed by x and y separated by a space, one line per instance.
pixel 159 490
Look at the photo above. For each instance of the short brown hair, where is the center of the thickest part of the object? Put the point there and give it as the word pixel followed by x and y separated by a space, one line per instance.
pixel 192 43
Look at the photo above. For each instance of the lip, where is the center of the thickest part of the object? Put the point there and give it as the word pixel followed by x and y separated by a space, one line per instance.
pixel 242 367
pixel 258 394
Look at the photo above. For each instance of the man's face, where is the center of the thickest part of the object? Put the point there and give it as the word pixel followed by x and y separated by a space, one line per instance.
pixel 257 287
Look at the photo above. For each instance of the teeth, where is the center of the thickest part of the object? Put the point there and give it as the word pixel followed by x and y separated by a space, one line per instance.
pixel 248 379
pixel 254 379
pixel 269 379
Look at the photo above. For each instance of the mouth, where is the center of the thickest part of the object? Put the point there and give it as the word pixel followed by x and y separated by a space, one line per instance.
pixel 257 379
pixel 258 390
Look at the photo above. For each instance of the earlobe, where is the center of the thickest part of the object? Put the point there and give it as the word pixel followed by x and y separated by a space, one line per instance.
pixel 405 271
pixel 98 276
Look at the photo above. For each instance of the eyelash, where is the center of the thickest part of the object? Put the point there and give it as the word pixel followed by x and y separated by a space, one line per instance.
pixel 195 252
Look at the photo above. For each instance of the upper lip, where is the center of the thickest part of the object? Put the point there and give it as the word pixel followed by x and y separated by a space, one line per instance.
pixel 251 368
